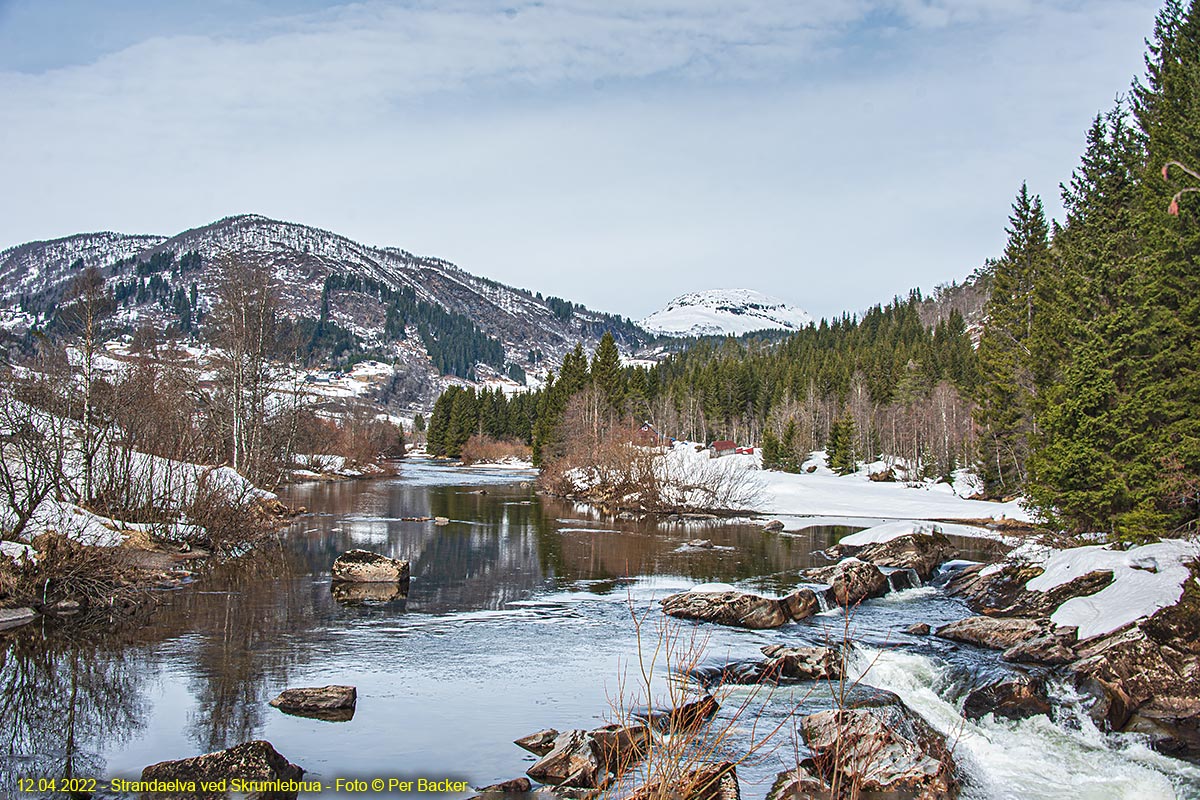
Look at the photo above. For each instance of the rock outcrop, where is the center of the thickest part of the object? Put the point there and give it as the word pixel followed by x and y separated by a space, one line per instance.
pixel 921 552
pixel 580 759
pixel 741 609
pixel 363 566
pixel 998 633
pixel 882 746
pixel 1016 697
pixel 850 581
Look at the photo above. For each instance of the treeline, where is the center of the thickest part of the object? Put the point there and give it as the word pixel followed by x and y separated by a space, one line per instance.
pixel 463 412
pixel 1090 402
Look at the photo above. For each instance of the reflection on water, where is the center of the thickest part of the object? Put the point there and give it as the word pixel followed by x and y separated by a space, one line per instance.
pixel 518 617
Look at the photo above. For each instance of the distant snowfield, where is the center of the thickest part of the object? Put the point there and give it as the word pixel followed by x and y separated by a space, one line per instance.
pixel 825 493
pixel 719 312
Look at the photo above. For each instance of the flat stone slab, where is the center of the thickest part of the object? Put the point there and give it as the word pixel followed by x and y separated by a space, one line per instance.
pixel 331 703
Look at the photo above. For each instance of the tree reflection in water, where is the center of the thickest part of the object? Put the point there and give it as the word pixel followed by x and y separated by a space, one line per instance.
pixel 63 696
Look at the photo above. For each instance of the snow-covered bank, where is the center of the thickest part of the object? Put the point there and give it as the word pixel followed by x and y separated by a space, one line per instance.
pixel 894 530
pixel 822 492
pixel 1145 579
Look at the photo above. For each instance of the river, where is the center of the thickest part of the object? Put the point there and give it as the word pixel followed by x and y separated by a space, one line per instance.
pixel 520 616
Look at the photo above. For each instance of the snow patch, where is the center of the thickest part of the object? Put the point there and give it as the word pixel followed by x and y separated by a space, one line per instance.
pixel 1145 580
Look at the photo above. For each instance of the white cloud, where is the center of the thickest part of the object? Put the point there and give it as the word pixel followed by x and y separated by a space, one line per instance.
pixel 830 153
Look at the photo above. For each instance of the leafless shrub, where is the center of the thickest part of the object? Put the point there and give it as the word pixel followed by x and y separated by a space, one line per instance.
pixel 99 579
pixel 690 744
pixel 486 450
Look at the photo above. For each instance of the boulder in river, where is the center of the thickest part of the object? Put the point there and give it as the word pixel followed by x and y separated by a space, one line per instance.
pixel 850 581
pixel 256 760
pixel 1014 697
pixel 331 703
pixel 918 629
pixel 742 609
pixel 998 633
pixel 792 664
pixel 539 743
pixel 363 566
pixel 571 761
pixel 514 786
pixel 882 747
pixel 921 552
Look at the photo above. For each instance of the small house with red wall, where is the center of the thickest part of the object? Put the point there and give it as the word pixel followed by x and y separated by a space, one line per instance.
pixel 722 447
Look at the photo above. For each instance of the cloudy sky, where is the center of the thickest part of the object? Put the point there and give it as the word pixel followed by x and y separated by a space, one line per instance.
pixel 615 152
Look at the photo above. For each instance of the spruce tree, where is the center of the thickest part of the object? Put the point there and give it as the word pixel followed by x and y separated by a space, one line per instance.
pixel 1007 391
pixel 607 374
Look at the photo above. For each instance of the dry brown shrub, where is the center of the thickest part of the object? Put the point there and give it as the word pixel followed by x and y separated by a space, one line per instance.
pixel 97 578
pixel 486 450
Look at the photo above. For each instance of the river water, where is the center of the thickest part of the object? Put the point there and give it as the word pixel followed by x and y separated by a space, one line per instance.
pixel 523 613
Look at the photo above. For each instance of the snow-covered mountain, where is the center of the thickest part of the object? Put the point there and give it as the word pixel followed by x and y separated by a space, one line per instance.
pixel 383 301
pixel 719 312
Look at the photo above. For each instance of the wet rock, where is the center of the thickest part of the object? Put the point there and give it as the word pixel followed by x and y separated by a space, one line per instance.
pixel 923 553
pixel 1002 592
pixel 783 665
pixel 619 747
pixel 918 629
pixel 358 594
pixel 794 664
pixel 900 579
pixel 716 781
pixel 699 544
pixel 1110 707
pixel 1171 723
pixel 885 748
pixel 571 757
pixel 363 566
pixel 1015 697
pixel 683 717
pixel 741 609
pixel 515 786
pixel 441 520
pixel 15 617
pixel 773 526
pixel 851 581
pixel 539 743
pixel 256 760
pixel 1055 647
pixel 997 633
pixel 330 703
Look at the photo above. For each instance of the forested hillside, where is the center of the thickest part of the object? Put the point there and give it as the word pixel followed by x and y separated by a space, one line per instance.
pixel 1083 393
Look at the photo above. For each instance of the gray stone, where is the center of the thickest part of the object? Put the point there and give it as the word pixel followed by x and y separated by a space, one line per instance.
pixel 363 566
pixel 332 703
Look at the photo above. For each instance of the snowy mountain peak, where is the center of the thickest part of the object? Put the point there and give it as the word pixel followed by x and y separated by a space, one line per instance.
pixel 719 312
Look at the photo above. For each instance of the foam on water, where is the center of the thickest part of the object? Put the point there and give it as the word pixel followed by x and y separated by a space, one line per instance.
pixel 1030 759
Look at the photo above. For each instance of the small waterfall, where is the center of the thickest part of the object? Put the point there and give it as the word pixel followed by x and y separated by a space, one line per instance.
pixel 824 600
pixel 901 579
pixel 1035 758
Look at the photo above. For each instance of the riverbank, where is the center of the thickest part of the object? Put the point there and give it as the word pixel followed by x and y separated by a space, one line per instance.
pixel 521 616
